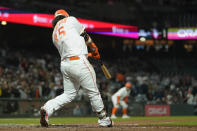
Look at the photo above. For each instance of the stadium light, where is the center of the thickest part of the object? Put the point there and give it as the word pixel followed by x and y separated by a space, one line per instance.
pixel 143 39
pixel 3 22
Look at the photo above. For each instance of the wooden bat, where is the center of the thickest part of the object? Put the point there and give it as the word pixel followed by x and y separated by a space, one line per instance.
pixel 103 67
pixel 105 70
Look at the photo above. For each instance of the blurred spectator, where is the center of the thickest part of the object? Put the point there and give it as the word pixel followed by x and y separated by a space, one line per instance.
pixel 34 76
pixel 190 97
pixel 77 111
pixel 169 98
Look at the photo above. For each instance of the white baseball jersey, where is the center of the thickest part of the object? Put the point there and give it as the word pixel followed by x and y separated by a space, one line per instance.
pixel 67 39
pixel 121 94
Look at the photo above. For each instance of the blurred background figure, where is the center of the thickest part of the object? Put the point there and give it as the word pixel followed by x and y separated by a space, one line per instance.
pixel 119 99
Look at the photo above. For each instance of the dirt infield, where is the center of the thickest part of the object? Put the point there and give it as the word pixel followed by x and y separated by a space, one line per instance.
pixel 86 127
pixel 131 125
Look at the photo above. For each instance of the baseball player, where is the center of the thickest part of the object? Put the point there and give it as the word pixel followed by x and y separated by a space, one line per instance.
pixel 120 98
pixel 71 40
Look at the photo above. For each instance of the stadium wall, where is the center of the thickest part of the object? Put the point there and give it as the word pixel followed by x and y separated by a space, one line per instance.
pixel 20 108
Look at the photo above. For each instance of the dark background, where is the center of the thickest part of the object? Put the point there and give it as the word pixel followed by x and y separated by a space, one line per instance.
pixel 142 13
pixel 146 14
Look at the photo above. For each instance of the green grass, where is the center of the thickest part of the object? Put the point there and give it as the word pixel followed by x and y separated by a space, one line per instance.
pixel 53 120
pixel 180 123
pixel 170 120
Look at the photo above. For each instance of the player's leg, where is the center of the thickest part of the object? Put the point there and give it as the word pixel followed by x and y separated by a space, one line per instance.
pixel 124 109
pixel 53 105
pixel 70 91
pixel 88 82
pixel 61 100
pixel 115 107
pixel 98 107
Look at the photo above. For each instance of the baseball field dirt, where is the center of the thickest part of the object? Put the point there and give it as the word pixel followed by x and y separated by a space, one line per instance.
pixel 117 127
pixel 133 124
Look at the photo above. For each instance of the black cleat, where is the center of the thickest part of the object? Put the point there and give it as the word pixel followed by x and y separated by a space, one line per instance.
pixel 112 123
pixel 43 118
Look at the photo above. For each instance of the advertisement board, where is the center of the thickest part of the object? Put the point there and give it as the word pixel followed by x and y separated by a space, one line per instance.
pixel 152 34
pixel 157 110
pixel 182 33
pixel 45 20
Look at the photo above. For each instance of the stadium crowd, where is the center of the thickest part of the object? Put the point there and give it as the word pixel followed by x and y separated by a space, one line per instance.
pixel 27 75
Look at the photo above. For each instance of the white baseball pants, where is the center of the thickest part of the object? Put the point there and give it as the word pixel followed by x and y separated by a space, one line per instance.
pixel 121 102
pixel 76 73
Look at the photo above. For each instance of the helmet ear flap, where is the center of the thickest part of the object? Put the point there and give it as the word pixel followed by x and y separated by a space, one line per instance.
pixel 56 19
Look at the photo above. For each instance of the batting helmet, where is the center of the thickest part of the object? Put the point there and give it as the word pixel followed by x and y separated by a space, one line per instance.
pixel 128 85
pixel 61 12
pixel 59 15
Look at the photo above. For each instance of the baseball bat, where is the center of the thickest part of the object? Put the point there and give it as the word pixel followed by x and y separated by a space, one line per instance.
pixel 105 70
pixel 103 67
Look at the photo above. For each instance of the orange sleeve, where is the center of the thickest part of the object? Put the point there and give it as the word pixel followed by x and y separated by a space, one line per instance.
pixel 118 99
pixel 126 99
pixel 89 54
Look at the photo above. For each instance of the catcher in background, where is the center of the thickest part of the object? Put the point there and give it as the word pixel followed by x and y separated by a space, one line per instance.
pixel 120 98
pixel 71 40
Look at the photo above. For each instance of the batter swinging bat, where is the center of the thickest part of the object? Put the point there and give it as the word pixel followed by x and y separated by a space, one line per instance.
pixel 105 70
pixel 103 67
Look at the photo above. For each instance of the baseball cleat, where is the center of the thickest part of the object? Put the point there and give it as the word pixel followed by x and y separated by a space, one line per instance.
pixel 125 116
pixel 113 117
pixel 112 123
pixel 44 118
pixel 105 122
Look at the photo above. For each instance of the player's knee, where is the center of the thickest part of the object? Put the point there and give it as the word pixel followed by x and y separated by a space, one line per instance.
pixel 93 95
pixel 125 106
pixel 70 96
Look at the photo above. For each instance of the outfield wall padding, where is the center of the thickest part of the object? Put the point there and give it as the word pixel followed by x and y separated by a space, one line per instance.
pixel 181 109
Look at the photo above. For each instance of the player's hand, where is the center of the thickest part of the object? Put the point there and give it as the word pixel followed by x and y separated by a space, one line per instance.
pixel 89 54
pixel 95 56
pixel 94 51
